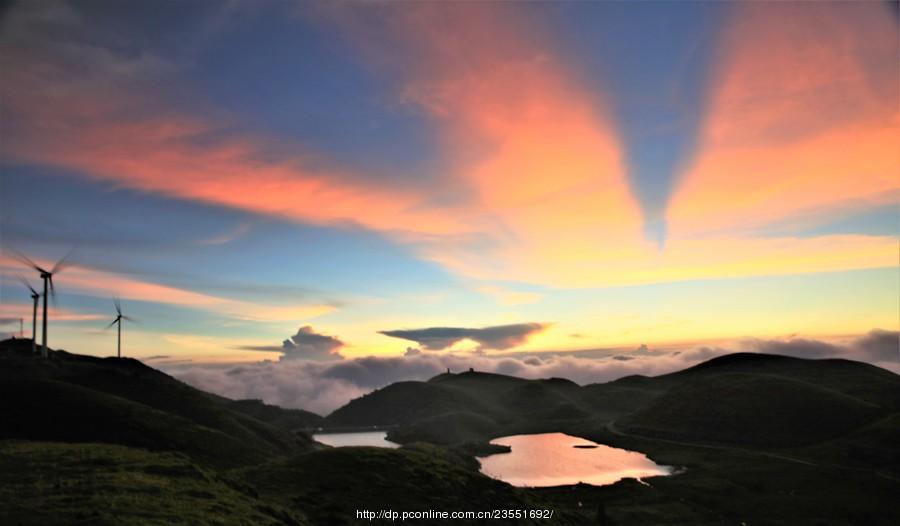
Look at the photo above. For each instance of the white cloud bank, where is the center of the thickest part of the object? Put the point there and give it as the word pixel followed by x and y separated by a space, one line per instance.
pixel 322 387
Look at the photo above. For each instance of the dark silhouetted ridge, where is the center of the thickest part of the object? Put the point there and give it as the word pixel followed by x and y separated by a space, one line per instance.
pixel 749 398
pixel 76 398
pixel 744 359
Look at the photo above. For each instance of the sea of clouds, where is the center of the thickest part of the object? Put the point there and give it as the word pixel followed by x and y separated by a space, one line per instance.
pixel 323 386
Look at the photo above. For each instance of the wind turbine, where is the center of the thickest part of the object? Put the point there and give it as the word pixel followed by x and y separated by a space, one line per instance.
pixel 118 321
pixel 34 298
pixel 47 276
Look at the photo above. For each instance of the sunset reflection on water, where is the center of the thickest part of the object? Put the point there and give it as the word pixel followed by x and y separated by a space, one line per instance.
pixel 552 459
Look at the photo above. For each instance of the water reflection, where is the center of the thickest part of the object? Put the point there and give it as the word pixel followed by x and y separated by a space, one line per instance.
pixel 556 459
pixel 366 438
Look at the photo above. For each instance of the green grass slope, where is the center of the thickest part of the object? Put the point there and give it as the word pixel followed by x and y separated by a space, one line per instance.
pixel 622 396
pixel 284 419
pixel 544 399
pixel 77 398
pixel 744 398
pixel 406 403
pixel 469 406
pixel 859 380
pixel 414 478
pixel 446 428
pixel 47 484
pixel 47 410
pixel 751 409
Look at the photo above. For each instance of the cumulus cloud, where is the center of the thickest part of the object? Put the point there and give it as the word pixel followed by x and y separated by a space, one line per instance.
pixel 877 346
pixel 798 347
pixel 496 337
pixel 324 386
pixel 305 345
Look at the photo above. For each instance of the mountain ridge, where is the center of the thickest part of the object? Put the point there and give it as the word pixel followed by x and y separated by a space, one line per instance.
pixel 474 399
pixel 109 441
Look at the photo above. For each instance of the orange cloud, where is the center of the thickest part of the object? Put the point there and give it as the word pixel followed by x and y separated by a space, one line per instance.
pixel 535 148
pixel 98 283
pixel 24 311
pixel 803 119
pixel 533 154
pixel 799 121
pixel 110 116
pixel 540 153
pixel 162 154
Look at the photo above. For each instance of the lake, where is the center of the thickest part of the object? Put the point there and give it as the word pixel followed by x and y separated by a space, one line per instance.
pixel 365 438
pixel 557 459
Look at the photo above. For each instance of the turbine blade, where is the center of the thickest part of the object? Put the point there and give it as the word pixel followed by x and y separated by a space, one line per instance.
pixel 132 320
pixel 52 291
pixel 61 264
pixel 111 324
pixel 22 258
pixel 118 305
pixel 27 284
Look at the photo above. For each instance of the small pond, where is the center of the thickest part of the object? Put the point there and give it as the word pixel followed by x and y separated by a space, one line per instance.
pixel 557 459
pixel 365 438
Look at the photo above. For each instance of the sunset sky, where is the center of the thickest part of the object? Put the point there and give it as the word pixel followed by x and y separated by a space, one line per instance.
pixel 380 178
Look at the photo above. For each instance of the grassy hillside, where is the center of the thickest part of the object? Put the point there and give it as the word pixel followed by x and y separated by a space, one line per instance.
pixel 446 428
pixel 284 419
pixel 751 399
pixel 47 410
pixel 77 398
pixel 751 409
pixel 625 395
pixel 859 380
pixel 45 484
pixel 418 477
pixel 408 402
pixel 764 440
pixel 463 407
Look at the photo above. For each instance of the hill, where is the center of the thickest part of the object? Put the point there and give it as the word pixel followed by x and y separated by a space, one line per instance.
pixel 88 440
pixel 751 409
pixel 856 379
pixel 75 398
pixel 816 440
pixel 409 402
pixel 46 484
pixel 751 399
pixel 416 478
pixel 481 403
pixel 446 428
pixel 285 419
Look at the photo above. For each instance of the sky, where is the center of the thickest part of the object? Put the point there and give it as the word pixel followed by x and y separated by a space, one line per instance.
pixel 314 183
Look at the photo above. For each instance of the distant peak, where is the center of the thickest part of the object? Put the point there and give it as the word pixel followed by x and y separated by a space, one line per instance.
pixel 744 358
pixel 472 374
pixel 441 377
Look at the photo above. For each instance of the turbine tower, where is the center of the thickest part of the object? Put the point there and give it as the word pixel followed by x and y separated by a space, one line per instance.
pixel 34 299
pixel 47 276
pixel 118 321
